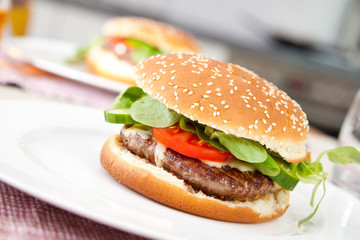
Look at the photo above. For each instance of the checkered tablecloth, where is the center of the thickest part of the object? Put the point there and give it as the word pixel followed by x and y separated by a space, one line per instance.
pixel 25 217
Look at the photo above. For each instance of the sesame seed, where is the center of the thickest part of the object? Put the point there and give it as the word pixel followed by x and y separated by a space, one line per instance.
pixel 251 126
pixel 206 96
pixel 173 77
pixel 210 83
pixel 185 90
pixel 195 85
pixel 219 94
pixel 226 106
pixel 213 106
pixel 225 121
pixel 173 71
pixel 214 113
pixel 191 92
pixel 231 91
pixel 201 108
pixel 208 91
pixel 217 89
pixel 264 120
pixel 162 88
pixel 268 129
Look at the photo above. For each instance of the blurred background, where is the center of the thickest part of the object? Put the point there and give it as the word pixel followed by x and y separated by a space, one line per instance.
pixel 309 48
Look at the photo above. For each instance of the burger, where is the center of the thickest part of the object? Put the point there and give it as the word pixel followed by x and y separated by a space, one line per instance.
pixel 127 40
pixel 209 138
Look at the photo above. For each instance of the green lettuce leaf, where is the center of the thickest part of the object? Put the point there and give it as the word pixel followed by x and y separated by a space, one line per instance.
pixel 199 129
pixel 153 113
pixel 244 149
pixel 269 167
pixel 141 49
pixel 344 155
pixel 83 50
pixel 128 97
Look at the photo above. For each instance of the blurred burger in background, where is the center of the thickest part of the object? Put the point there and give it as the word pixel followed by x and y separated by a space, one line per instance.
pixel 127 40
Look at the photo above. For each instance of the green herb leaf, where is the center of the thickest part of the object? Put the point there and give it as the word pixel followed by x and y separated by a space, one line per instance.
pixel 128 97
pixel 199 129
pixel 309 172
pixel 312 172
pixel 141 49
pixel 269 167
pixel 187 125
pixel 243 149
pixel 153 113
pixel 344 155
pixel 308 218
pixel 82 51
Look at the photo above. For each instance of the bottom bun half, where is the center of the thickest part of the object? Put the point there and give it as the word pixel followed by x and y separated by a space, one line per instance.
pixel 162 186
pixel 106 64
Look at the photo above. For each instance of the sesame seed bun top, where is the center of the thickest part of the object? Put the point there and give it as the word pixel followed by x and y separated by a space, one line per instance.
pixel 227 97
pixel 160 35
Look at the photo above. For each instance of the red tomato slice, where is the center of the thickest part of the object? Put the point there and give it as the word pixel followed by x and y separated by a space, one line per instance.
pixel 112 41
pixel 189 144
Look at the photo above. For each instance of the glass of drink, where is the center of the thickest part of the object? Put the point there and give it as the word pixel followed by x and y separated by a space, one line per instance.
pixel 19 15
pixel 348 176
pixel 4 12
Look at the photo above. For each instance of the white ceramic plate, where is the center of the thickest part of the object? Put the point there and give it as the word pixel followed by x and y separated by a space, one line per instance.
pixel 51 151
pixel 50 55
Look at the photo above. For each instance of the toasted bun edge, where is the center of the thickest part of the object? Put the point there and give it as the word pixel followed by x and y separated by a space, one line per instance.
pixel 106 64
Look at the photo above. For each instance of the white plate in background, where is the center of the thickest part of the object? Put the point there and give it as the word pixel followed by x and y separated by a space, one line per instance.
pixel 50 55
pixel 51 151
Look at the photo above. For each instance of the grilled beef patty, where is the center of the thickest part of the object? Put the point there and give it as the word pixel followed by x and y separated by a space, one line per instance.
pixel 225 183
